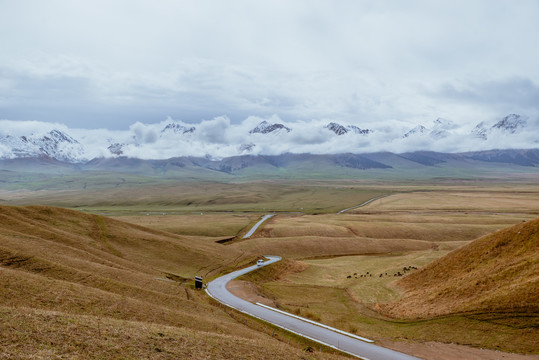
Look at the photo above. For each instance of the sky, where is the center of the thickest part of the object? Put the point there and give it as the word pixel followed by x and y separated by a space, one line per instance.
pixel 112 64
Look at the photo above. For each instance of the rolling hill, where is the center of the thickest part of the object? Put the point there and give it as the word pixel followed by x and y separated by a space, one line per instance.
pixel 74 285
pixel 495 274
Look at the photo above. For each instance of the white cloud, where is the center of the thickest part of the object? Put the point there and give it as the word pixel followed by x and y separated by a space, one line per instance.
pixel 113 63
pixel 220 138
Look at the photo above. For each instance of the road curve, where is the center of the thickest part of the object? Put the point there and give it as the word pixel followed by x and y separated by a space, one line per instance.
pixel 324 335
pixel 253 229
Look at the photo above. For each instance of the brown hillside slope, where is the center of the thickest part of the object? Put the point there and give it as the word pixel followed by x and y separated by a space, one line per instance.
pixel 80 286
pixel 65 234
pixel 63 260
pixel 498 273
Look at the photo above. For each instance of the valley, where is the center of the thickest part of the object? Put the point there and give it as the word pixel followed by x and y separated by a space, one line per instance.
pixel 269 180
pixel 88 267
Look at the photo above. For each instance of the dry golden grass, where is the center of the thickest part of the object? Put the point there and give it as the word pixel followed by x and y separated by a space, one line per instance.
pixel 89 270
pixel 86 241
pixel 519 200
pixel 396 236
pixel 310 197
pixel 308 236
pixel 80 286
pixel 360 275
pixel 199 224
pixel 498 273
pixel 38 334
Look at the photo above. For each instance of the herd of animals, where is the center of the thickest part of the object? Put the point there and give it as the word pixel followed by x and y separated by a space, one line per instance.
pixel 368 274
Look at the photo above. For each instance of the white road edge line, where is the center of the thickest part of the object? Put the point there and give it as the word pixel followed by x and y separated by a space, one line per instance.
pixel 284 328
pixel 317 324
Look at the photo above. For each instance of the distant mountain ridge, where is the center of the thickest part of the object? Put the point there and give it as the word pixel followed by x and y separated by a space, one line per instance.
pixel 268 137
pixel 411 164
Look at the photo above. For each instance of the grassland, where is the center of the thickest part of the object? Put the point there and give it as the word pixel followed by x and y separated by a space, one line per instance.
pixel 496 274
pixel 107 274
pixel 191 197
pixel 335 256
pixel 75 285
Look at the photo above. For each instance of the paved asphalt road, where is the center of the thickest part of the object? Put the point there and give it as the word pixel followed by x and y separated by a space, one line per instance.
pixel 252 231
pixel 217 290
pixel 361 205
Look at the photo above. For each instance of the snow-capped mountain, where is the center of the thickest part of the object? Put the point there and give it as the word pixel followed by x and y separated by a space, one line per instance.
pixel 220 139
pixel 265 128
pixel 511 124
pixel 339 129
pixel 480 131
pixel 116 149
pixel 443 124
pixel 178 129
pixel 441 128
pixel 418 130
pixel 54 144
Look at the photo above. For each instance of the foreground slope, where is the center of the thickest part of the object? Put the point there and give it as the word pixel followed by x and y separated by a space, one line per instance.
pixel 74 285
pixel 496 274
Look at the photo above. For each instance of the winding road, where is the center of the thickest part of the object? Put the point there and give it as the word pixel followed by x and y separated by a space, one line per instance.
pixel 337 339
pixel 253 229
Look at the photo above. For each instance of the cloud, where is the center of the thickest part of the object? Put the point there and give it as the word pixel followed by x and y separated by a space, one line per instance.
pixel 144 134
pixel 219 137
pixel 519 93
pixel 214 131
pixel 26 128
pixel 364 63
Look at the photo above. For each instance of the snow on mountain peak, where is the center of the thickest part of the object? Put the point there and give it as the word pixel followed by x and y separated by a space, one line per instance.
pixel 511 123
pixel 418 130
pixel 265 128
pixel 439 133
pixel 339 129
pixel 480 131
pixel 54 144
pixel 174 139
pixel 178 129
pixel 444 124
pixel 116 149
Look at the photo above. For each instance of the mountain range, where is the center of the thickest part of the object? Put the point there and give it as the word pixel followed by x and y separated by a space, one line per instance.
pixel 175 139
pixel 412 165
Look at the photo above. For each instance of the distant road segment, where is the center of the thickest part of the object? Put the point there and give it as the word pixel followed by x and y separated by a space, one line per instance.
pixel 253 229
pixel 322 334
pixel 365 203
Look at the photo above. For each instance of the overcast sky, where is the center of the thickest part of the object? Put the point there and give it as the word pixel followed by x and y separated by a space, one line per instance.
pixel 109 64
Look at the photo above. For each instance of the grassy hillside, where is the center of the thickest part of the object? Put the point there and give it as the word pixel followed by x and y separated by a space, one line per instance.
pixel 371 245
pixel 498 273
pixel 74 285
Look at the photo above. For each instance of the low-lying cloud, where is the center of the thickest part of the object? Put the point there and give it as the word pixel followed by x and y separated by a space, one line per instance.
pixel 219 137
